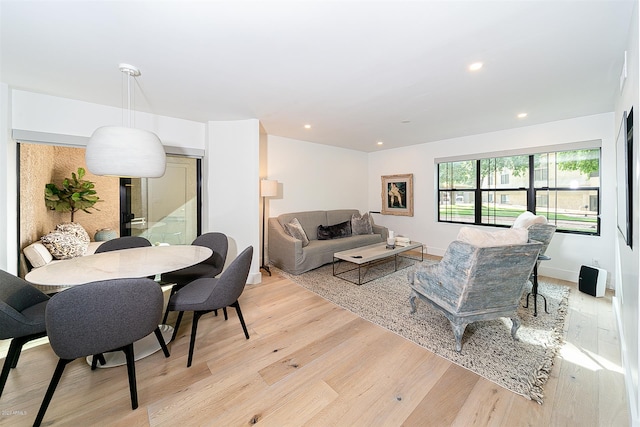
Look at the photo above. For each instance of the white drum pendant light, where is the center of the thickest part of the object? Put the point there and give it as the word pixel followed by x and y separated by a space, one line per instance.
pixel 126 151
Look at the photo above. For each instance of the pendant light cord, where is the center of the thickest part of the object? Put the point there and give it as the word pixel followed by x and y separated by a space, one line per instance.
pixel 131 72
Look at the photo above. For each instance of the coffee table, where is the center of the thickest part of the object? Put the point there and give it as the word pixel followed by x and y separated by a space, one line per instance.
pixel 366 256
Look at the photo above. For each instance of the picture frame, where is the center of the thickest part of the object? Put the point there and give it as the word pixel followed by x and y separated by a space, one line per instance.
pixel 397 195
pixel 624 177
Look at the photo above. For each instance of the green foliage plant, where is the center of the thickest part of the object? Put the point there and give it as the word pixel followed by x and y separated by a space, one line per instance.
pixel 75 194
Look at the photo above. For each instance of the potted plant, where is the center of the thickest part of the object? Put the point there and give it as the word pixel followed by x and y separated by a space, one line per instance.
pixel 74 195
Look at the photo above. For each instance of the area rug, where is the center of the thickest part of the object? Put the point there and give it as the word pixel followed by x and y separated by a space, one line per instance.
pixel 488 350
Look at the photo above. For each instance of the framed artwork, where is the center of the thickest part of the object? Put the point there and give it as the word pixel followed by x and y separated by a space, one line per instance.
pixel 397 195
pixel 624 177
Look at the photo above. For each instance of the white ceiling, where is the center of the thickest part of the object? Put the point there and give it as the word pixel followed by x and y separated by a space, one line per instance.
pixel 354 70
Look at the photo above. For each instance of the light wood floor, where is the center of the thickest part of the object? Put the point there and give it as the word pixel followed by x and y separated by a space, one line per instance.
pixel 309 362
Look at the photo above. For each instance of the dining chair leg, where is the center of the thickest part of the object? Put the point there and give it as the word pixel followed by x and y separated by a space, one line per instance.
pixel 177 325
pixel 224 310
pixel 21 342
pixel 131 371
pixel 97 358
pixel 57 374
pixel 11 361
pixel 16 351
pixel 194 327
pixel 163 344
pixel 174 289
pixel 236 305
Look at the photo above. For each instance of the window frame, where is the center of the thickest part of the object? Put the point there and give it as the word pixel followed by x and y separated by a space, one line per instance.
pixel 532 192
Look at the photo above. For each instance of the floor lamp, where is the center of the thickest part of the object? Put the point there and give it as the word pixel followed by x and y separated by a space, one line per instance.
pixel 268 188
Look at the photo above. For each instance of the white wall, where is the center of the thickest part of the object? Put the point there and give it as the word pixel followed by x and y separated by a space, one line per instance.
pixel 627 299
pixel 315 177
pixel 232 188
pixel 45 113
pixel 568 252
pixel 8 223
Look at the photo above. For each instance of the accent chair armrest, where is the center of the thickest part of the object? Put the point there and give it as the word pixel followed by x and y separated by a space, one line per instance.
pixel 431 282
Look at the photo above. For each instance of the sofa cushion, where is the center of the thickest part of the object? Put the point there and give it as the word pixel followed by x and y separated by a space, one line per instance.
pixel 309 221
pixel 74 229
pixel 37 254
pixel 527 219
pixel 361 224
pixel 336 216
pixel 334 231
pixel 64 246
pixel 483 239
pixel 294 229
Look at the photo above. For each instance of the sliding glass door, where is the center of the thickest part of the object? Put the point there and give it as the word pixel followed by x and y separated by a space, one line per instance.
pixel 163 210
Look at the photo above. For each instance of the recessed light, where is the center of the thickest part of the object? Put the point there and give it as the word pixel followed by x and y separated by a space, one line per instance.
pixel 475 66
pixel 307 126
pixel 379 142
pixel 522 115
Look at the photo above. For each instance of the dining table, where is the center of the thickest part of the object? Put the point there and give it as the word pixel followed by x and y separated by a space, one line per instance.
pixel 122 264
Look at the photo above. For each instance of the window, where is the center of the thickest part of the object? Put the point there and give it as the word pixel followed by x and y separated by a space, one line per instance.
pixel 498 200
pixel 564 186
pixel 572 188
pixel 457 184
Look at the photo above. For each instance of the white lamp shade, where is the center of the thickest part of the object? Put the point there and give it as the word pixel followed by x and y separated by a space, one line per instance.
pixel 123 151
pixel 268 188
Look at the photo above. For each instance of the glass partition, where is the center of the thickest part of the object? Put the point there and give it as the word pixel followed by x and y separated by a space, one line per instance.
pixel 165 209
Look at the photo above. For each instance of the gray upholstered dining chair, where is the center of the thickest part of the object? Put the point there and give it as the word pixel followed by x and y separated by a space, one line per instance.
pixel 119 243
pixel 22 308
pixel 98 317
pixel 125 242
pixel 210 267
pixel 209 294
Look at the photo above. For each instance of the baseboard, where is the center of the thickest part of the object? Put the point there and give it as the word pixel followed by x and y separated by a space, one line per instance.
pixel 434 251
pixel 631 399
pixel 254 278
pixel 558 273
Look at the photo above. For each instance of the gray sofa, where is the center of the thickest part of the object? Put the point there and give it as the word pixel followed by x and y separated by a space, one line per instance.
pixel 288 253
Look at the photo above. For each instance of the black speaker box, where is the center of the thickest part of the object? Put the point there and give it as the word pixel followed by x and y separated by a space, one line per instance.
pixel 592 280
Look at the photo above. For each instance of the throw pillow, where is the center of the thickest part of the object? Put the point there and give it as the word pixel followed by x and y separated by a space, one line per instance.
pixel 63 245
pixel 483 239
pixel 37 254
pixel 74 229
pixel 335 231
pixel 295 230
pixel 361 224
pixel 527 219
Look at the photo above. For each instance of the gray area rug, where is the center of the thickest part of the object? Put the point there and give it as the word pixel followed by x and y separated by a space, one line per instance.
pixel 487 347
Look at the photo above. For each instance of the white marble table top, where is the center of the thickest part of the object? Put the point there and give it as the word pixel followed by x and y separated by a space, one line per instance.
pixel 125 263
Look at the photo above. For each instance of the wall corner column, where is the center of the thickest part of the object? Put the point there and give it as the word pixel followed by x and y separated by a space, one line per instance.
pixel 231 183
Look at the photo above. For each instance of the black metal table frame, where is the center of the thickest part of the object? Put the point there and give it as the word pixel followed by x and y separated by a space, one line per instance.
pixel 369 264
pixel 534 288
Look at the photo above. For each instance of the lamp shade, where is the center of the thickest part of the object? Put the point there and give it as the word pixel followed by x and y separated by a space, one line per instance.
pixel 123 151
pixel 268 188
